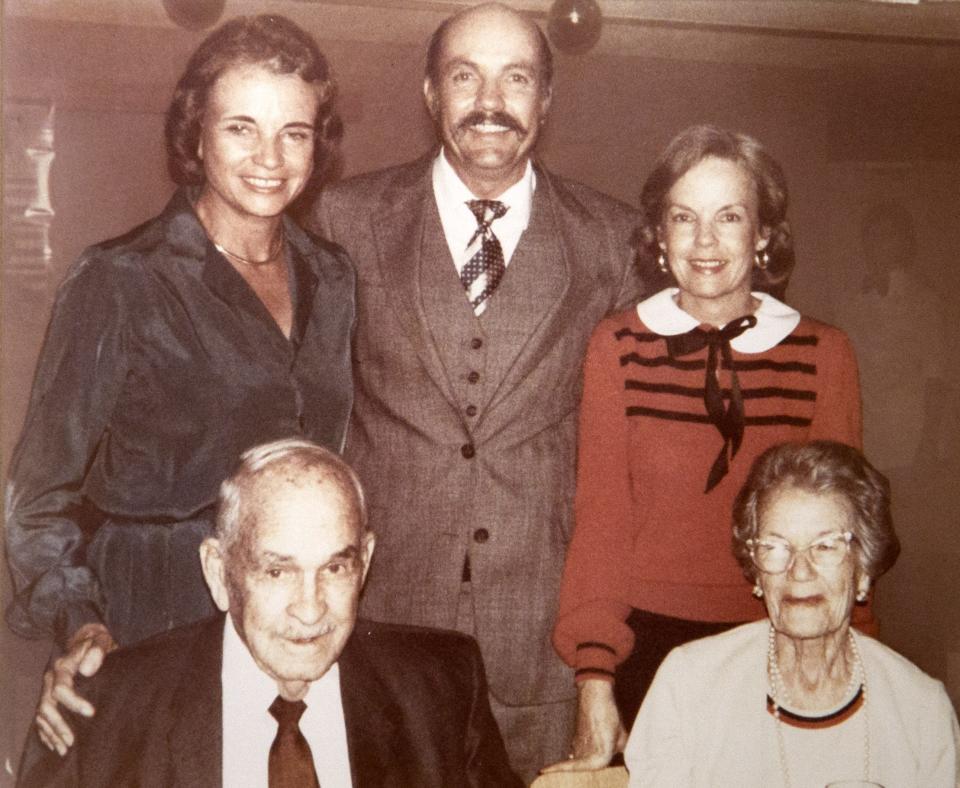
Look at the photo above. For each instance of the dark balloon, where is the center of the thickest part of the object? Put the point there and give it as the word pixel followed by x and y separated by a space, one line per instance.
pixel 194 14
pixel 574 25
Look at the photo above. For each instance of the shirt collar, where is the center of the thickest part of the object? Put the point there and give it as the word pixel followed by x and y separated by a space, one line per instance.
pixel 453 192
pixel 775 320
pixel 241 674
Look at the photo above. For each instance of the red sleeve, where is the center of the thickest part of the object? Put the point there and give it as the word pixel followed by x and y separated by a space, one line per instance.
pixel 591 634
pixel 838 416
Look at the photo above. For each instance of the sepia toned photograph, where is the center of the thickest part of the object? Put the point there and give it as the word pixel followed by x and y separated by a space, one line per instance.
pixel 441 392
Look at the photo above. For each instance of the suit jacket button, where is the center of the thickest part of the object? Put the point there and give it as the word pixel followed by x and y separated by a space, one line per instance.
pixel 468 451
pixel 473 377
pixel 481 535
pixel 471 410
pixel 476 343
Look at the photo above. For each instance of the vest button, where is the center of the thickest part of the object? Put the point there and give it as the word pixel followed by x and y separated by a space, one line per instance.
pixel 468 451
pixel 471 410
pixel 481 535
pixel 476 343
pixel 473 377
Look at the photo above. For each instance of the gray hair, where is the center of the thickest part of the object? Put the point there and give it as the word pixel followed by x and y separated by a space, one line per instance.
pixel 820 467
pixel 297 454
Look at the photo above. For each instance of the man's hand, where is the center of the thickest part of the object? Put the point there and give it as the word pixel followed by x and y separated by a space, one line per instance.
pixel 600 734
pixel 85 653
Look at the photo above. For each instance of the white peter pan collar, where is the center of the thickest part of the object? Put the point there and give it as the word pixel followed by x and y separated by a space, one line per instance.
pixel 775 320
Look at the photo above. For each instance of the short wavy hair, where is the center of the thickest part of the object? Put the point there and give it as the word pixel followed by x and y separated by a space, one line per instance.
pixel 821 467
pixel 689 148
pixel 268 40
pixel 237 500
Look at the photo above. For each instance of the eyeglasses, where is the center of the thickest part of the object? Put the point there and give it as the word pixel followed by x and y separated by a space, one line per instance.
pixel 775 556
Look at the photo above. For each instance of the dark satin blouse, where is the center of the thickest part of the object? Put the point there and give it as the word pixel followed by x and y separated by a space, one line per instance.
pixel 160 366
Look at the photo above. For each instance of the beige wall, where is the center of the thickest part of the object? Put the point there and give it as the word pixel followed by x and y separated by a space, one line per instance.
pixel 850 120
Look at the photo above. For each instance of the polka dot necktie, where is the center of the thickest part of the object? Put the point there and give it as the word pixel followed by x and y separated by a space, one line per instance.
pixel 485 266
pixel 290 764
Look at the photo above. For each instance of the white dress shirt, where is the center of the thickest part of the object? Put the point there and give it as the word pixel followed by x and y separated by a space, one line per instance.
pixel 459 223
pixel 249 728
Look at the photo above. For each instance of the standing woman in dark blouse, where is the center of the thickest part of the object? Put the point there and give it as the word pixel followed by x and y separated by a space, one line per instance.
pixel 214 327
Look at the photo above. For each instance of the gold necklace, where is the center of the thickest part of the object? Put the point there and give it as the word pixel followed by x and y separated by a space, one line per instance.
pixel 273 252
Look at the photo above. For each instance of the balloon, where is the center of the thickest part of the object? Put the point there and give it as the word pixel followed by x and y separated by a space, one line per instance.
pixel 574 25
pixel 194 14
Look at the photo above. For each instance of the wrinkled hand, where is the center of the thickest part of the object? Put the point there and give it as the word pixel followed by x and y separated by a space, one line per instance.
pixel 600 734
pixel 85 653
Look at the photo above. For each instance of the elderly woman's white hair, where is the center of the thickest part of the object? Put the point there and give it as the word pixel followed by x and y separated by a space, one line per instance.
pixel 820 467
pixel 288 454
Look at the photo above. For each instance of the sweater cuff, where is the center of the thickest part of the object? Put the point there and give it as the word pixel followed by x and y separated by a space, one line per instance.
pixel 595 660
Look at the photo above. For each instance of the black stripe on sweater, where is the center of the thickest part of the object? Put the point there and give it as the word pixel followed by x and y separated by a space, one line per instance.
pixel 805 340
pixel 595 644
pixel 640 336
pixel 703 418
pixel 739 366
pixel 767 392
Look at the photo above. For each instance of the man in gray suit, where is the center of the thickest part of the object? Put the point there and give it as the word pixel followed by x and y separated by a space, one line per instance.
pixel 480 278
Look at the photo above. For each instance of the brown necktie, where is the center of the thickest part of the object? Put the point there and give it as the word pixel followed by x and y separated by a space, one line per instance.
pixel 485 268
pixel 291 762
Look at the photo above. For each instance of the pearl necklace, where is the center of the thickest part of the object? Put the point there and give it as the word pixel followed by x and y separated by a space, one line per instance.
pixel 780 698
pixel 273 252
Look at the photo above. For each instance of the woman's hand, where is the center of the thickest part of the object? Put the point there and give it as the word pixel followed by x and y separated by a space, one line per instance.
pixel 85 654
pixel 600 734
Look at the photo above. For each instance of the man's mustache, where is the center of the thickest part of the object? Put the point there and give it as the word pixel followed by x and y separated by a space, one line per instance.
pixel 492 118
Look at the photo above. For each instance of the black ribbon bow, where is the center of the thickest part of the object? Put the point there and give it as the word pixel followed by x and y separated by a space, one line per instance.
pixel 729 420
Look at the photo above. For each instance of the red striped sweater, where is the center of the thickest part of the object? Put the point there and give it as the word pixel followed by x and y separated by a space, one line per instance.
pixel 646 535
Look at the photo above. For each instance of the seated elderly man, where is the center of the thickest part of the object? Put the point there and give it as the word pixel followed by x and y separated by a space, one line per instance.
pixel 288 688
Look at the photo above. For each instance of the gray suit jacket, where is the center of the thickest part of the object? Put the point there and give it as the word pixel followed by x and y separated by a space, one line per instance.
pixel 464 428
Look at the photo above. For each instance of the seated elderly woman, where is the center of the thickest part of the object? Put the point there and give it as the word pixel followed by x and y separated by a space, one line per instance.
pixel 800 699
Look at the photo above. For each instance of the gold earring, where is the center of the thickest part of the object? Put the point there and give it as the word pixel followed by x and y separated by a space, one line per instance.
pixel 762 260
pixel 757 591
pixel 662 263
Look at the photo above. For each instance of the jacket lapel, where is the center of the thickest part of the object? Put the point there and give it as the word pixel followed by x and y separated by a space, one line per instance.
pixel 532 292
pixel 373 721
pixel 398 232
pixel 195 738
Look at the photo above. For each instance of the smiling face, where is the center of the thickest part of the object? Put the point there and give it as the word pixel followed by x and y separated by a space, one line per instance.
pixel 489 98
pixel 710 233
pixel 806 601
pixel 293 585
pixel 257 141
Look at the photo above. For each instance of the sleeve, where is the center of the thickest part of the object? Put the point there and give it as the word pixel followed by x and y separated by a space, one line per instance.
pixel 632 287
pixel 320 219
pixel 838 415
pixel 43 768
pixel 655 754
pixel 591 634
pixel 940 764
pixel 79 376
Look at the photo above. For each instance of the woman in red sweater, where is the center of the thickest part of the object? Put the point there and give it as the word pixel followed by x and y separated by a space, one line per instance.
pixel 681 394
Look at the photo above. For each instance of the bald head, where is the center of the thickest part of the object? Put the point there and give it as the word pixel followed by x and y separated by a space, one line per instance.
pixel 481 14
